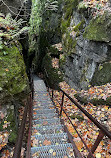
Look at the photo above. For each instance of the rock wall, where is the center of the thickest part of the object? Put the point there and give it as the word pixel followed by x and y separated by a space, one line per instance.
pixel 13 78
pixel 14 87
pixel 44 31
pixel 86 41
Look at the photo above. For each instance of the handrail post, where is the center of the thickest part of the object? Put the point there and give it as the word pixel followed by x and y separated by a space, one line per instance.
pixel 52 94
pixel 98 140
pixel 62 104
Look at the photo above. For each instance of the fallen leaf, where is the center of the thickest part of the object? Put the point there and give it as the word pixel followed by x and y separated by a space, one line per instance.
pixel 45 123
pixel 51 151
pixel 98 155
pixel 5 126
pixel 54 154
pixel 46 142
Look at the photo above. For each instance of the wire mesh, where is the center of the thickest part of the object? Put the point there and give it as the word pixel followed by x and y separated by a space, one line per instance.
pixel 46 122
pixel 50 139
pixel 45 116
pixel 48 129
pixel 53 151
pixel 45 111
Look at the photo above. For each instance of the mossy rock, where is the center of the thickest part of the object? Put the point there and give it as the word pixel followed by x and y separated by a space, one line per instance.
pixel 52 76
pixel 81 99
pixel 78 116
pixel 94 101
pixel 65 24
pixel 13 78
pixel 54 51
pixel 12 137
pixel 80 26
pixel 68 9
pixel 102 76
pixel 99 28
pixel 62 60
pixel 11 128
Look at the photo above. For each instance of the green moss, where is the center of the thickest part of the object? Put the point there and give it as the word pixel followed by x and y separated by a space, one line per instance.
pixel 65 24
pixel 11 128
pixel 81 99
pixel 80 26
pixel 99 28
pixel 13 137
pixel 13 78
pixel 68 9
pixel 82 6
pixel 102 76
pixel 95 101
pixel 79 117
pixel 69 6
pixel 69 44
pixel 62 60
pixel 54 78
pixel 53 51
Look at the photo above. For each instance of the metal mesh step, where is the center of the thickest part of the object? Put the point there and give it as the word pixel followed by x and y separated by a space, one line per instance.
pixel 46 122
pixel 47 130
pixel 39 98
pixel 43 101
pixel 45 116
pixel 50 139
pixel 41 107
pixel 53 151
pixel 44 111
pixel 42 104
pixel 40 92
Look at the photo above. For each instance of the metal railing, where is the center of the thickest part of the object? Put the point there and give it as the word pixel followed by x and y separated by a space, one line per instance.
pixel 103 130
pixel 28 109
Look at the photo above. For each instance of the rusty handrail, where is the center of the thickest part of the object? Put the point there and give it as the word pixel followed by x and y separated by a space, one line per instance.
pixel 103 130
pixel 29 131
pixel 18 145
pixel 17 150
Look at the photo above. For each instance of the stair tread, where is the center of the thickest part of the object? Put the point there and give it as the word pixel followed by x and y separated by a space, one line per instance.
pixel 48 129
pixel 49 139
pixel 45 111
pixel 53 151
pixel 44 122
pixel 45 116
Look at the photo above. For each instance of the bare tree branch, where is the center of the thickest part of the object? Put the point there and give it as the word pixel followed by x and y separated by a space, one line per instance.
pixel 9 8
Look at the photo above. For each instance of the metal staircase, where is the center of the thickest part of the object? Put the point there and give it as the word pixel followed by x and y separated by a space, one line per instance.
pixel 48 139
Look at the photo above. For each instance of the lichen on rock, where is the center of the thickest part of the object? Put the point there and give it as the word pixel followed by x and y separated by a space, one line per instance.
pixel 99 28
pixel 103 75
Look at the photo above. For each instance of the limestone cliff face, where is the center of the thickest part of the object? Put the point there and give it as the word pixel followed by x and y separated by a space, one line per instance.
pixel 86 44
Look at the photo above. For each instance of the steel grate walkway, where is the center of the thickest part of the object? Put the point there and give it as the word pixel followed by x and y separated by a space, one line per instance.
pixel 48 139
